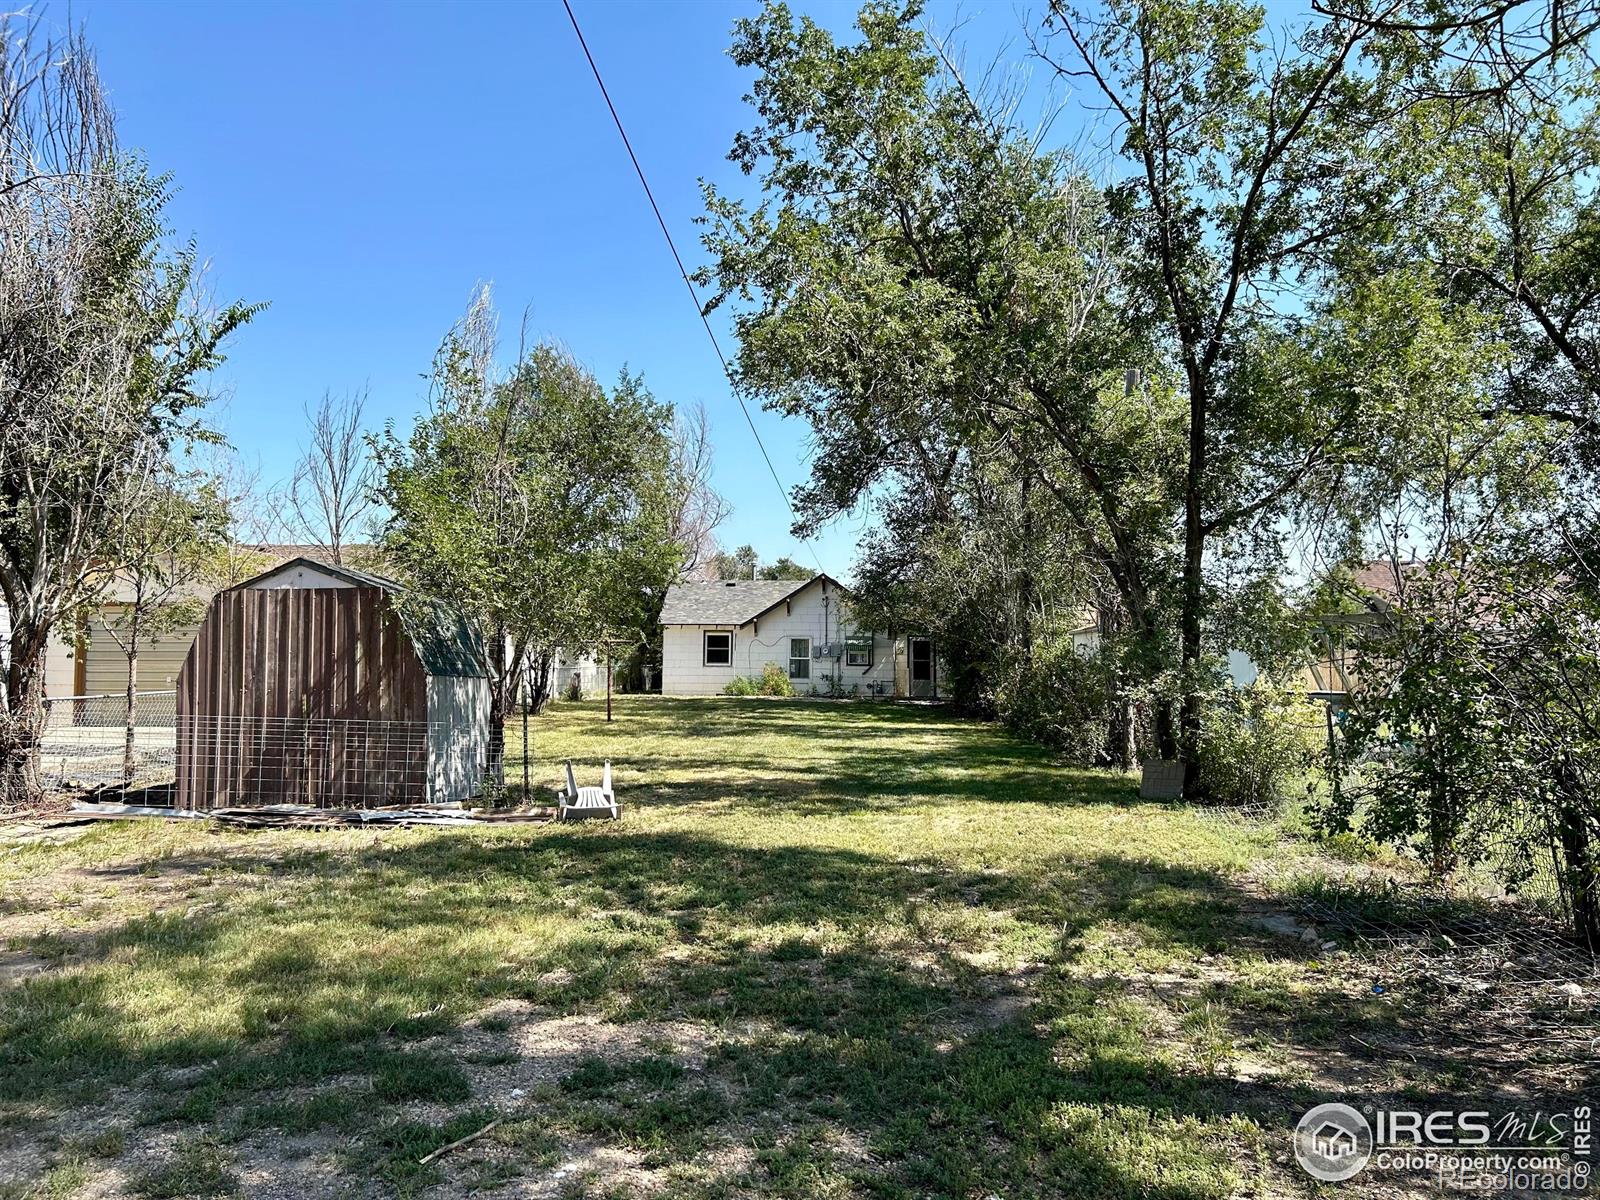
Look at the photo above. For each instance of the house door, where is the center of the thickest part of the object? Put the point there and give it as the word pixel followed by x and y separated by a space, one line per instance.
pixel 924 675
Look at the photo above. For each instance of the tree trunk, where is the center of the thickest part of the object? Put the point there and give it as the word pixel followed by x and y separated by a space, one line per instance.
pixel 1190 619
pixel 1165 726
pixel 133 699
pixel 22 715
pixel 541 683
pixel 502 695
pixel 1121 750
pixel 1582 863
pixel 1442 823
pixel 1119 736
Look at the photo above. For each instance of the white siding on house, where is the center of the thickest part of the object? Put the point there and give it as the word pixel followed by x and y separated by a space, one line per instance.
pixel 590 671
pixel 809 614
pixel 60 668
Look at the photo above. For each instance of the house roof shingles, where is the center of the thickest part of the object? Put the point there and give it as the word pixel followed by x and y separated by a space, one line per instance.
pixel 726 601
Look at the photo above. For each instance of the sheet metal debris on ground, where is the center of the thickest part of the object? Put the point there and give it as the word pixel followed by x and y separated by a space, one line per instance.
pixel 295 816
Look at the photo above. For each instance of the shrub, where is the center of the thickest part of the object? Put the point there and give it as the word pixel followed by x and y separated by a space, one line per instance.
pixel 1258 745
pixel 575 688
pixel 775 681
pixel 1060 698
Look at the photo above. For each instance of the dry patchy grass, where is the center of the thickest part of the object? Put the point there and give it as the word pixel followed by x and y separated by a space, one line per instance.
pixel 832 950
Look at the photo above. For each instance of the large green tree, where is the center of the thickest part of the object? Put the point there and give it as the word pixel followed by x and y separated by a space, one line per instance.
pixel 1166 359
pixel 929 290
pixel 1265 183
pixel 1480 688
pixel 535 499
pixel 745 563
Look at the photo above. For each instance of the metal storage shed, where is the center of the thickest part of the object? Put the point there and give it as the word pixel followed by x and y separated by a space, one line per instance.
pixel 321 685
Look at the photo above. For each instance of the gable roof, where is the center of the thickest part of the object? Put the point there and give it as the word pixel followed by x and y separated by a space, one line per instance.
pixel 730 601
pixel 444 639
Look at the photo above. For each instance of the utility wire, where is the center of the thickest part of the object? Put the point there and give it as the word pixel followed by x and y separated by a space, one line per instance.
pixel 687 282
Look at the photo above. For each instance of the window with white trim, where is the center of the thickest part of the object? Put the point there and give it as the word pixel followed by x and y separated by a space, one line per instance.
pixel 799 658
pixel 718 649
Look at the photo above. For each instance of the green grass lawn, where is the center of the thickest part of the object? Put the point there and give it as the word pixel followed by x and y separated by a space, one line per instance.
pixel 831 950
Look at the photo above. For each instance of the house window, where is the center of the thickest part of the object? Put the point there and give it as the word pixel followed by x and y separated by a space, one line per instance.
pixel 719 650
pixel 858 651
pixel 799 658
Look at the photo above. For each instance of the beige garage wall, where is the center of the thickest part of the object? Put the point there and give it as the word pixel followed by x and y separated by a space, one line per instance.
pixel 105 666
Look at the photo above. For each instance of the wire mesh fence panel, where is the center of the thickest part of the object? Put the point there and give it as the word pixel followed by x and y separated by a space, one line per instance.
pixel 90 750
pixel 90 746
pixel 242 761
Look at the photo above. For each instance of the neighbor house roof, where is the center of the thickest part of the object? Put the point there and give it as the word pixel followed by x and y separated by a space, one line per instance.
pixel 444 639
pixel 728 601
pixel 1383 577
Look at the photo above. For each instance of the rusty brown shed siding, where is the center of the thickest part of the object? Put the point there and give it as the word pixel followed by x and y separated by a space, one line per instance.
pixel 274 696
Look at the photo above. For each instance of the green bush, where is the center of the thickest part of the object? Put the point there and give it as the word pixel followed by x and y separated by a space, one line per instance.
pixel 1258 745
pixel 1060 698
pixel 773 681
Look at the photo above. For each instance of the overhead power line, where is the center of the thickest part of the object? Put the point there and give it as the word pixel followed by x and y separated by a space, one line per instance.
pixel 684 273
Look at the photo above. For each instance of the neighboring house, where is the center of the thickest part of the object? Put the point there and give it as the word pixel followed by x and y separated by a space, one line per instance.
pixel 587 669
pixel 1330 674
pixel 715 631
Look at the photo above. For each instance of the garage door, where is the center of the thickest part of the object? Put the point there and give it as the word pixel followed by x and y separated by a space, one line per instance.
pixel 105 666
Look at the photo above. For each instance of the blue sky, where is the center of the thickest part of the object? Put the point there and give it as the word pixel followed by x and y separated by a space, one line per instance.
pixel 361 166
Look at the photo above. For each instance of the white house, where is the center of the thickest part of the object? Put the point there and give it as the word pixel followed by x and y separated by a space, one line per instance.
pixel 713 632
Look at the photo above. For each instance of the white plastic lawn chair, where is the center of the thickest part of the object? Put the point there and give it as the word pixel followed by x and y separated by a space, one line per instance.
pixel 577 803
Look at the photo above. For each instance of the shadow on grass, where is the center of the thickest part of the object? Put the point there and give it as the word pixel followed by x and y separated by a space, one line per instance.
pixel 868 1014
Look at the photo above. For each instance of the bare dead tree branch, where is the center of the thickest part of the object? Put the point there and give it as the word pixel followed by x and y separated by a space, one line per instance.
pixel 332 485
